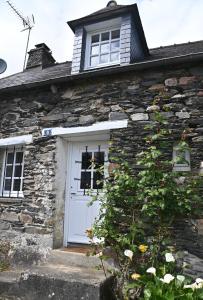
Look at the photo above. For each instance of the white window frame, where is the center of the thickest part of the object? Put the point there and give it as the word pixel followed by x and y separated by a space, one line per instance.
pixel 12 193
pixel 100 27
pixel 178 166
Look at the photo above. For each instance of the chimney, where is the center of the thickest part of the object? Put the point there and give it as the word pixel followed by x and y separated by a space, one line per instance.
pixel 40 56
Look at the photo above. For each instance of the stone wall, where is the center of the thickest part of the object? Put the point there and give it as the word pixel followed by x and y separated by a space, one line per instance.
pixel 83 103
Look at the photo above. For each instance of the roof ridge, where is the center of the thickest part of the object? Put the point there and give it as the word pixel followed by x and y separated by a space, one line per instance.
pixel 174 45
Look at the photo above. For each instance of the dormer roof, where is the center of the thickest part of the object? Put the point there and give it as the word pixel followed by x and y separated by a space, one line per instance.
pixel 109 12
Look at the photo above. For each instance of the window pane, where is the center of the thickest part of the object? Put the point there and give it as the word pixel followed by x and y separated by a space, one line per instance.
pixel 115 56
pixel 115 34
pixel 105 36
pixel 105 48
pixel 19 157
pixel 181 157
pixel 115 46
pixel 104 58
pixel 18 171
pixel 7 186
pixel 16 185
pixel 9 171
pixel 94 61
pixel 95 38
pixel 86 160
pixel 10 157
pixel 98 159
pixel 98 180
pixel 85 182
pixel 95 50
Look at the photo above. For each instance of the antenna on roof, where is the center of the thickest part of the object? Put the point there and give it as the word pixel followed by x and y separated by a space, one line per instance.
pixel 28 25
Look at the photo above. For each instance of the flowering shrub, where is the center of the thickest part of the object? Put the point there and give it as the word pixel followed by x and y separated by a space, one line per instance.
pixel 170 287
pixel 136 217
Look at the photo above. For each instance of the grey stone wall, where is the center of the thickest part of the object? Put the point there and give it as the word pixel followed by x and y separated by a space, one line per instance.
pixel 86 102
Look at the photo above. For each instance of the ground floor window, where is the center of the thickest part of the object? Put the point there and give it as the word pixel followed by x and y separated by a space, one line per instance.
pixel 12 167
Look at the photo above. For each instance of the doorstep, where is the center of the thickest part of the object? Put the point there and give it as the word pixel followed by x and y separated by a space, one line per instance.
pixel 64 276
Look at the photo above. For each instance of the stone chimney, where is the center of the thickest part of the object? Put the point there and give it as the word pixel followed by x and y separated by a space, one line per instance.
pixel 40 56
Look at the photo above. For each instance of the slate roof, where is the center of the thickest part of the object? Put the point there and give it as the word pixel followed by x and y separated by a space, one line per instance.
pixel 62 71
pixel 36 74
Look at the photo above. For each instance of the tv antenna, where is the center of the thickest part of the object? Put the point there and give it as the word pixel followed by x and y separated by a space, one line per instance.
pixel 28 25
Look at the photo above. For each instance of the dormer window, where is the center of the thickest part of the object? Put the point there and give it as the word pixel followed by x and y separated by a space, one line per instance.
pixel 110 36
pixel 104 48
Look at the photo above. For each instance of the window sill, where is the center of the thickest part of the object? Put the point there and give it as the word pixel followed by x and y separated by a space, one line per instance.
pixel 181 169
pixel 102 66
pixel 12 200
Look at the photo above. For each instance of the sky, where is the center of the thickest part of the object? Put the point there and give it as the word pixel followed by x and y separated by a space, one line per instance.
pixel 165 22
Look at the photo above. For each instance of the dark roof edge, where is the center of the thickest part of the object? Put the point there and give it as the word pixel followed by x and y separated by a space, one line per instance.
pixel 139 66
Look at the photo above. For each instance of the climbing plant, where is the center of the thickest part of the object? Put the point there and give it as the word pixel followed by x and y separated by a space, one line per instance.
pixel 138 212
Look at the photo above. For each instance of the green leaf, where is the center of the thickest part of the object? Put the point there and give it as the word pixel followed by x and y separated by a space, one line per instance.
pixel 147 294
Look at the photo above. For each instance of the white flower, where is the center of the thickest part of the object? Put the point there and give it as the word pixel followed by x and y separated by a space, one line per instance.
pixel 151 270
pixel 169 257
pixel 199 280
pixel 129 254
pixel 181 278
pixel 167 278
pixel 192 286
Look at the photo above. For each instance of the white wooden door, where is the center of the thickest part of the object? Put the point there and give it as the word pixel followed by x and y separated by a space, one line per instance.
pixel 84 160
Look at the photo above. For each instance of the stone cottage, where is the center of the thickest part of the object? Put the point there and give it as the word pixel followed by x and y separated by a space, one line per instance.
pixel 56 117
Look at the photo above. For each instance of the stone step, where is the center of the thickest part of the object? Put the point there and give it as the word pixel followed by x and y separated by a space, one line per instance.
pixel 64 276
pixel 73 259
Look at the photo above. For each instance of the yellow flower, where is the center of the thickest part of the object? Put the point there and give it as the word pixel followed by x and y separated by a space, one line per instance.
pixel 143 248
pixel 135 276
pixel 89 233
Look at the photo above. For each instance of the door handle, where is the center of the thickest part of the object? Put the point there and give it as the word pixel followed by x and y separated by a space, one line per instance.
pixel 73 193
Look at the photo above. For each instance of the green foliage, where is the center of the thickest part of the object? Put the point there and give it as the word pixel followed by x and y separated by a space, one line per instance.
pixel 138 212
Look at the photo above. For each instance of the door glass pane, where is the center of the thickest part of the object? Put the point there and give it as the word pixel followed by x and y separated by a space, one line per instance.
pixel 85 182
pixel 98 159
pixel 95 38
pixel 18 171
pixel 10 157
pixel 7 186
pixel 105 36
pixel 115 46
pixel 98 180
pixel 104 58
pixel 95 50
pixel 19 157
pixel 86 160
pixel 94 61
pixel 114 56
pixel 16 185
pixel 115 34
pixel 9 171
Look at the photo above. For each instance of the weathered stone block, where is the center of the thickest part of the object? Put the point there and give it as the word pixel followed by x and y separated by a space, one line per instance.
pixel 187 80
pixel 86 119
pixel 157 87
pixel 171 82
pixel 113 116
pixel 140 117
pixel 9 216
pixel 25 218
pixel 182 115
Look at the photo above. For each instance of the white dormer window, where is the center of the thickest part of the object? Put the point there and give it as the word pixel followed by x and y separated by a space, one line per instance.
pixel 103 48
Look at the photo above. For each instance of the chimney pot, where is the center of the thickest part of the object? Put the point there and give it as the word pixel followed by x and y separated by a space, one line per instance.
pixel 40 56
